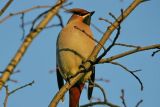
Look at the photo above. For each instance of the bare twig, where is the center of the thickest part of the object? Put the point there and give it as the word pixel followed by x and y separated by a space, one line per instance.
pixel 131 72
pixel 127 45
pixel 60 20
pixel 13 91
pixel 22 11
pixel 122 98
pixel 104 102
pixel 67 4
pixel 109 48
pixel 155 52
pixel 124 67
pixel 42 14
pixel 6 97
pixel 107 60
pixel 95 27
pixel 106 20
pixel 139 102
pixel 5 7
pixel 19 88
pixel 49 26
pixel 22 26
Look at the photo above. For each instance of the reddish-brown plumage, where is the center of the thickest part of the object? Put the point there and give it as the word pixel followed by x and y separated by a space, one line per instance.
pixel 74 94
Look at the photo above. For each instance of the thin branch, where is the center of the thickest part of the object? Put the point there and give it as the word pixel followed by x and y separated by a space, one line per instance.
pixel 107 60
pixel 105 102
pixel 19 88
pixel 5 7
pixel 13 91
pixel 106 20
pixel 131 72
pixel 49 26
pixel 102 90
pixel 155 52
pixel 139 102
pixel 67 4
pixel 109 48
pixel 124 67
pixel 42 14
pixel 22 26
pixel 115 39
pixel 22 11
pixel 127 45
pixel 122 98
pixel 95 27
pixel 60 20
pixel 28 40
pixel 99 103
pixel 6 97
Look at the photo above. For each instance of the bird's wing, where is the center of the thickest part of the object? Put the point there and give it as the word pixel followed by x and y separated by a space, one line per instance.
pixel 59 78
pixel 91 83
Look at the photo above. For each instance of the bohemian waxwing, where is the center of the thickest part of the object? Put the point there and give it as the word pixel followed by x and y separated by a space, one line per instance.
pixel 74 45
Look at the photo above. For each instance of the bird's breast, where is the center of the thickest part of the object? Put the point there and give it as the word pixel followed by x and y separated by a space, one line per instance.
pixel 74 45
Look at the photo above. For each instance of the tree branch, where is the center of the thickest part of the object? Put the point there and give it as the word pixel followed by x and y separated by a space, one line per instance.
pixel 107 60
pixel 123 99
pixel 139 102
pixel 28 40
pixel 5 7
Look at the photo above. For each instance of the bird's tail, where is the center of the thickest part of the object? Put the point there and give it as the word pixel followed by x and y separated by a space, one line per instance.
pixel 74 94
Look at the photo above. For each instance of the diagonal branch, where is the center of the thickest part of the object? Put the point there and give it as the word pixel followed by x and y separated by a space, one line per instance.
pixel 5 7
pixel 28 40
pixel 138 103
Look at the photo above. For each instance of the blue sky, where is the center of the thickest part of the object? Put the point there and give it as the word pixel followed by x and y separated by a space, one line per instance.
pixel 140 28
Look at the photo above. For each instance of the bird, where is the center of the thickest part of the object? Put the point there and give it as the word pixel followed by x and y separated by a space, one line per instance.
pixel 74 45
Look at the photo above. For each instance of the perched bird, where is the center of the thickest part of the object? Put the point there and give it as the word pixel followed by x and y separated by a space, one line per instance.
pixel 74 45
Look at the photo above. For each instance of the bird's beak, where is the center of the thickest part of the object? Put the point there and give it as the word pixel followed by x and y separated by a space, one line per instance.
pixel 91 13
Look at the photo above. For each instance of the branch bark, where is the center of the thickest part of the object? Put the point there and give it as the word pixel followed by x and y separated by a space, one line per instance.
pixel 28 40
